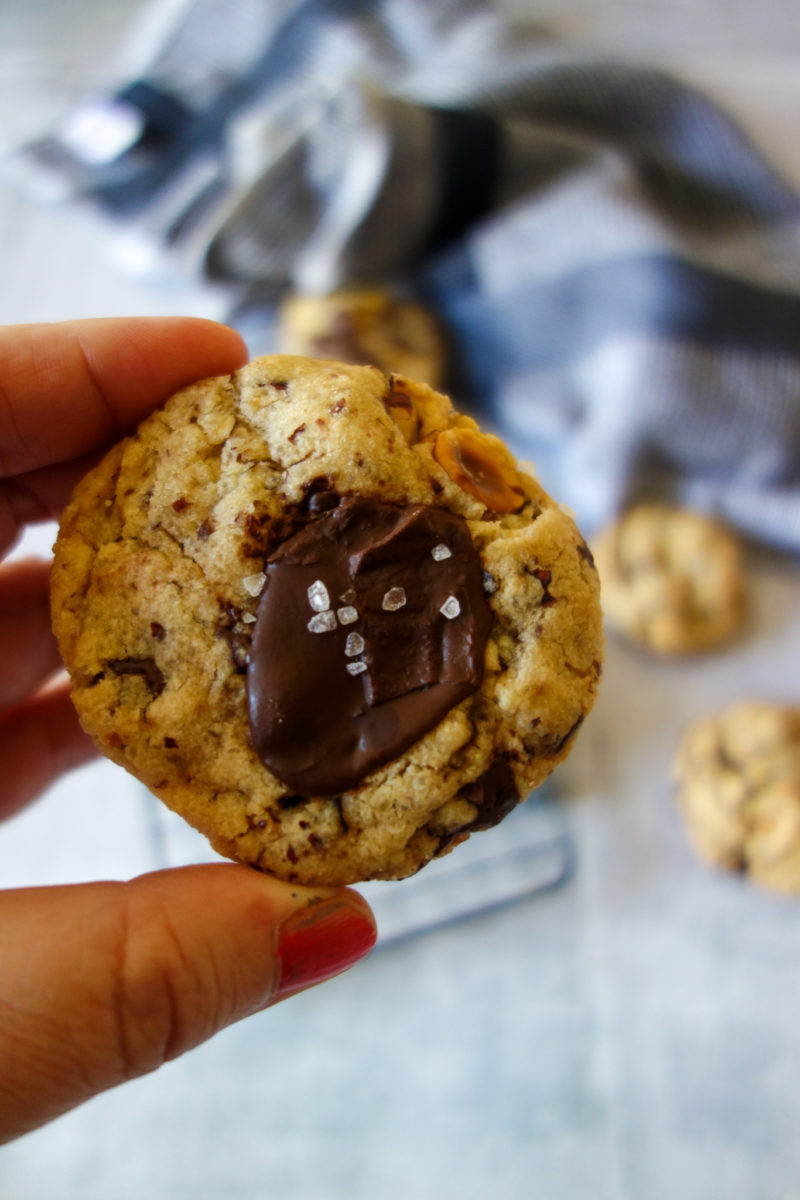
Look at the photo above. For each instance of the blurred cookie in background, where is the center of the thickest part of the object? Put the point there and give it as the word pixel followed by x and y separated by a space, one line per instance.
pixel 672 579
pixel 738 778
pixel 366 326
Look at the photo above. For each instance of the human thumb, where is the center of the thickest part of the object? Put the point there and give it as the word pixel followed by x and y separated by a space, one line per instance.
pixel 102 982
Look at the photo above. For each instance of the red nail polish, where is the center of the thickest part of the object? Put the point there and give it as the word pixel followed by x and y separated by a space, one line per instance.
pixel 322 940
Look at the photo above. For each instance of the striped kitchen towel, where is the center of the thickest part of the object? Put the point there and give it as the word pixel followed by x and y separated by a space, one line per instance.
pixel 618 265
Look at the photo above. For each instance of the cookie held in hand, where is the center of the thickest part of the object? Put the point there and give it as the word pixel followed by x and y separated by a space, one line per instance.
pixel 325 618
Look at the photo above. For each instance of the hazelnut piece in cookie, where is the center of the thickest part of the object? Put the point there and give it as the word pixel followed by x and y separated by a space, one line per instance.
pixel 336 630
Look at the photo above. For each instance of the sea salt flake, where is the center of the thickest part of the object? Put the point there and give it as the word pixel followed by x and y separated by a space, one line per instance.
pixel 451 608
pixel 441 552
pixel 253 584
pixel 356 668
pixel 347 615
pixel 323 622
pixel 248 618
pixel 318 596
pixel 395 598
pixel 354 645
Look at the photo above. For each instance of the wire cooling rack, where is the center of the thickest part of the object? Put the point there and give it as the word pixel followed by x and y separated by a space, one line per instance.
pixel 531 851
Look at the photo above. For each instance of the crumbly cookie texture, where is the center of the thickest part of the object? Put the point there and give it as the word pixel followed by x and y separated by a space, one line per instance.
pixel 368 326
pixel 165 549
pixel 672 579
pixel 738 777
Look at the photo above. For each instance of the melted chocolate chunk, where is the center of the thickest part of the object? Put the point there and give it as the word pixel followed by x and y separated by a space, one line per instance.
pixel 287 802
pixel 146 667
pixel 573 729
pixel 545 578
pixel 586 553
pixel 494 795
pixel 319 496
pixel 363 641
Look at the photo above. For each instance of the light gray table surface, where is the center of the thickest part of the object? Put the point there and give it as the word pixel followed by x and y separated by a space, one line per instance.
pixel 631 1034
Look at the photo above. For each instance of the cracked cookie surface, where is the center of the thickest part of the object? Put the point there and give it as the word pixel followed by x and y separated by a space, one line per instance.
pixel 738 777
pixel 672 579
pixel 160 570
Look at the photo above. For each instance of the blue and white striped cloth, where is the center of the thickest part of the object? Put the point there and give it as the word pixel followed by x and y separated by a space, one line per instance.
pixel 618 265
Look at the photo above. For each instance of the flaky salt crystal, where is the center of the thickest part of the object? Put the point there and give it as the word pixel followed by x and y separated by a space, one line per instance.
pixel 318 596
pixel 395 598
pixel 253 584
pixel 323 622
pixel 347 615
pixel 441 552
pixel 356 668
pixel 451 608
pixel 354 645
pixel 248 618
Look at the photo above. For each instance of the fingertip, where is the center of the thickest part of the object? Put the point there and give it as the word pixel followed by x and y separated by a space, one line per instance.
pixel 104 982
pixel 138 362
pixel 217 345
pixel 322 939
pixel 72 387
pixel 209 945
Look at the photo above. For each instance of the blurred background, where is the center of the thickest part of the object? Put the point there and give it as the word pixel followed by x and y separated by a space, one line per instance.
pixel 595 204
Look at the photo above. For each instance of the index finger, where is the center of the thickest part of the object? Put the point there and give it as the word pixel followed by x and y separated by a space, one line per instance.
pixel 71 388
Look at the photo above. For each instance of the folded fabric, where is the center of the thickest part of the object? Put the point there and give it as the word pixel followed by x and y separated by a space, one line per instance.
pixel 618 265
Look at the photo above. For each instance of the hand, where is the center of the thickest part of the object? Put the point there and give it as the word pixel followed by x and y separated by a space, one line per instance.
pixel 102 982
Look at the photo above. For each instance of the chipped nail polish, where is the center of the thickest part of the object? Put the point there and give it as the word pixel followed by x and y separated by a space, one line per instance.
pixel 322 940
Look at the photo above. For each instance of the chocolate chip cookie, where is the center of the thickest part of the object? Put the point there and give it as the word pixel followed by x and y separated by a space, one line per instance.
pixel 738 775
pixel 369 326
pixel 324 617
pixel 672 579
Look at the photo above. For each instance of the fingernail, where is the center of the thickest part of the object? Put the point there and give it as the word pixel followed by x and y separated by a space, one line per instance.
pixel 322 940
